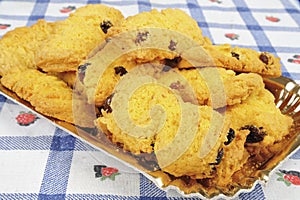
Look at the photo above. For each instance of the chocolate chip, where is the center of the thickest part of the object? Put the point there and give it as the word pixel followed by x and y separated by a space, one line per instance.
pixel 264 58
pixel 230 136
pixel 219 157
pixel 236 55
pixel 186 179
pixel 173 62
pixel 176 85
pixel 172 45
pixel 105 25
pixel 141 37
pixel 255 135
pixel 120 70
pixel 81 71
pixel 106 106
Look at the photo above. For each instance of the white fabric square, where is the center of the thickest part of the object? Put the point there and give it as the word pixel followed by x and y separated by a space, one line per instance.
pixel 222 17
pixel 22 171
pixel 10 127
pixel 9 8
pixel 269 4
pixel 82 176
pixel 284 39
pixel 219 3
pixel 166 2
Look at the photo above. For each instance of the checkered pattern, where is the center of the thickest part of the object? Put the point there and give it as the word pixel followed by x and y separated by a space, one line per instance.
pixel 42 161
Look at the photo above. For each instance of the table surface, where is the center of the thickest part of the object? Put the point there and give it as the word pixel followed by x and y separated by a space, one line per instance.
pixel 42 161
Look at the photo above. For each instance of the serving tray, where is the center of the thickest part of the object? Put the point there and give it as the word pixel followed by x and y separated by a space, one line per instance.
pixel 287 99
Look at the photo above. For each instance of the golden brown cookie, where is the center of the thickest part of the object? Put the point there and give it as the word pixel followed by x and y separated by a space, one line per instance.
pixel 244 60
pixel 74 38
pixel 259 114
pixel 47 94
pixel 234 157
pixel 171 19
pixel 145 23
pixel 134 126
pixel 18 47
pixel 195 149
pixel 199 86
pixel 206 82
pixel 67 77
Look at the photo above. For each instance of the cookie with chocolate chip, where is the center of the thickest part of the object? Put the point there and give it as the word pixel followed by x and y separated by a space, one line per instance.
pixel 244 60
pixel 74 38
pixel 259 115
pixel 174 20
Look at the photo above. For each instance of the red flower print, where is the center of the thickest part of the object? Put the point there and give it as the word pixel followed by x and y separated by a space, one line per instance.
pixel 67 9
pixel 289 177
pixel 295 59
pixel 232 36
pixel 25 119
pixel 4 26
pixel 105 172
pixel 215 1
pixel 272 19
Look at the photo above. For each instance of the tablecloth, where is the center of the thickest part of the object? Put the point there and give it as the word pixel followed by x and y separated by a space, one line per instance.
pixel 43 161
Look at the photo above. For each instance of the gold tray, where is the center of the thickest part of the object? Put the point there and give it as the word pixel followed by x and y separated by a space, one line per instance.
pixel 287 99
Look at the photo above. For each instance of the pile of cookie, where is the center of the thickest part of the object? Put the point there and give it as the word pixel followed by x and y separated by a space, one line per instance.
pixel 155 86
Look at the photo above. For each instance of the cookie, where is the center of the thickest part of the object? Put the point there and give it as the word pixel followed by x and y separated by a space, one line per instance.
pixel 259 114
pixel 74 38
pixel 216 87
pixel 234 157
pixel 99 84
pixel 171 19
pixel 244 60
pixel 145 23
pixel 125 126
pixel 192 84
pixel 48 95
pixel 67 77
pixel 196 147
pixel 18 47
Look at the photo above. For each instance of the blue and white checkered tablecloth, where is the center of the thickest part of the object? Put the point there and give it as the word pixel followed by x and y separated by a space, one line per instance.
pixel 41 161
